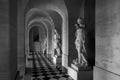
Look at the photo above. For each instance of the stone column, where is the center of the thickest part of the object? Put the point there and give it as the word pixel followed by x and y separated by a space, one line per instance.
pixel 20 39
pixel 8 39
pixel 65 43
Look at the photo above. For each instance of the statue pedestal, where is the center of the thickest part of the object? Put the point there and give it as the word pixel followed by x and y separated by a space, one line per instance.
pixel 79 73
pixel 54 60
pixel 57 60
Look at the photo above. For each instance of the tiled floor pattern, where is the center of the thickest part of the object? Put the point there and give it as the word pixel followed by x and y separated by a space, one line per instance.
pixel 42 69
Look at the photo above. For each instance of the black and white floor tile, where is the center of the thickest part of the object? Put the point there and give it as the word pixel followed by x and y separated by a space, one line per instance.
pixel 42 69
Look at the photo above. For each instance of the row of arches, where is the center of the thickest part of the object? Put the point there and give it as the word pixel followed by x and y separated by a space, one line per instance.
pixel 40 22
pixel 33 22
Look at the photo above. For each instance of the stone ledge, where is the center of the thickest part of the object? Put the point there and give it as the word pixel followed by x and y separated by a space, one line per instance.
pixel 88 68
pixel 102 74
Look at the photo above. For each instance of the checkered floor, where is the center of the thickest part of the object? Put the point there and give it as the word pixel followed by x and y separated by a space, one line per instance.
pixel 42 69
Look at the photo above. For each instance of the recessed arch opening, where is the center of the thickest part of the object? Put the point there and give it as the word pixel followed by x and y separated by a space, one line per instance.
pixel 60 22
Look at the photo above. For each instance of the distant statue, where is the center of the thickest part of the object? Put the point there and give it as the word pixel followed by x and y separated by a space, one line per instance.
pixel 45 46
pixel 57 44
pixel 80 44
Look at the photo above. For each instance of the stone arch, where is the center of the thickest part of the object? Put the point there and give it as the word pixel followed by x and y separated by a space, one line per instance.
pixel 62 11
pixel 49 28
pixel 33 37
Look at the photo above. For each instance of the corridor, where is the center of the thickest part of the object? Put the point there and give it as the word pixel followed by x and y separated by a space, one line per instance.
pixel 80 39
pixel 40 68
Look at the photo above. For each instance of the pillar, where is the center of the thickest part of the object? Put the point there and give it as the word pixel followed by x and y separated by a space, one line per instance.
pixel 8 39
pixel 20 38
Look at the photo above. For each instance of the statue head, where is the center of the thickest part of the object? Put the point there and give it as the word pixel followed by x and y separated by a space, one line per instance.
pixel 55 31
pixel 80 23
pixel 80 20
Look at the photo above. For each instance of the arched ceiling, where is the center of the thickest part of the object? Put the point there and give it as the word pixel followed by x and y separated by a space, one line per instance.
pixel 47 24
pixel 56 5
pixel 35 13
pixel 41 27
pixel 53 13
pixel 53 17
pixel 38 30
pixel 34 29
pixel 57 20
pixel 53 10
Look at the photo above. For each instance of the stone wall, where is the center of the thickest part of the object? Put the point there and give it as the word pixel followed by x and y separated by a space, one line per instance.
pixel 20 37
pixel 8 39
pixel 107 39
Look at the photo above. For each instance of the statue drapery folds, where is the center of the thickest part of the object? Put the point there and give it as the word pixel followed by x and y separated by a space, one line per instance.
pixel 81 61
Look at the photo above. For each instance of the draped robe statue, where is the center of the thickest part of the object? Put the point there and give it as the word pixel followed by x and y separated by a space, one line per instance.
pixel 57 45
pixel 80 44
pixel 44 46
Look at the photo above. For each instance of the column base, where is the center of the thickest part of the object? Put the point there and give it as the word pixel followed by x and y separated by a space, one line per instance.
pixel 80 73
pixel 76 67
pixel 64 69
pixel 65 61
pixel 57 61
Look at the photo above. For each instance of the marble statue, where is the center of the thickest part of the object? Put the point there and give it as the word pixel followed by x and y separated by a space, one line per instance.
pixel 56 42
pixel 44 46
pixel 80 44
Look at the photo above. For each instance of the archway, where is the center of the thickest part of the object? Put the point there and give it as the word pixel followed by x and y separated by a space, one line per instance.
pixel 36 37
pixel 47 28
pixel 50 12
